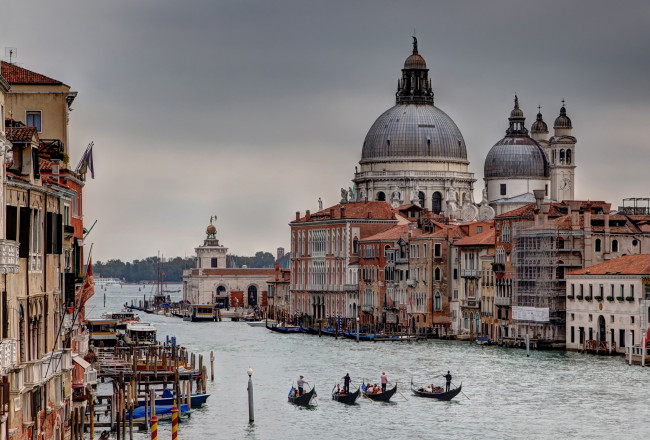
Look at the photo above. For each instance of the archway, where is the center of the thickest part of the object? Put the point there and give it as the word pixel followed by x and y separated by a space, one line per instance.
pixel 601 329
pixel 436 203
pixel 421 198
pixel 381 196
pixel 252 296
pixel 222 299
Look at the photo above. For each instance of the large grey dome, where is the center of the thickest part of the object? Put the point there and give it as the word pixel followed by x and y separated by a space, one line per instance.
pixel 414 132
pixel 516 157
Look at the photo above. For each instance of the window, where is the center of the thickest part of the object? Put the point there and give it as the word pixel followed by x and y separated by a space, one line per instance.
pixel 437 274
pixel 437 302
pixel 503 189
pixel 597 247
pixel 623 290
pixel 546 189
pixel 573 336
pixel 568 157
pixel 214 262
pixel 36 241
pixel 632 290
pixel 479 229
pixel 573 289
pixel 437 250
pixel 573 316
pixel 381 196
pixel 506 234
pixel 34 119
pixel 621 337
pixel 455 273
pixel 436 203
pixel 614 245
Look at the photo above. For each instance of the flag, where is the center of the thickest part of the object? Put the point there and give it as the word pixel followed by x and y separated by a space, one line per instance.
pixel 88 288
pixel 390 301
pixel 411 302
pixel 86 163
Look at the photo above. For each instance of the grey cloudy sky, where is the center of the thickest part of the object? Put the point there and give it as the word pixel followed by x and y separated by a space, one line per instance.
pixel 253 110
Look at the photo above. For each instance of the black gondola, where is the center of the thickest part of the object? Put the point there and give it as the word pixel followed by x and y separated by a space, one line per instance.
pixel 448 395
pixel 290 329
pixel 380 397
pixel 304 399
pixel 346 398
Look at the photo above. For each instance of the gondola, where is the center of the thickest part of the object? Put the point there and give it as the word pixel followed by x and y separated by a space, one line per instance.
pixel 380 397
pixel 288 329
pixel 440 396
pixel 349 398
pixel 304 399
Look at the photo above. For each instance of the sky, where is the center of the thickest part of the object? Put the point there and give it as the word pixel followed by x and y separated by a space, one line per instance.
pixel 251 111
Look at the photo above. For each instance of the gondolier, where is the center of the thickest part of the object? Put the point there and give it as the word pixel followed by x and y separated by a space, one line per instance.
pixel 346 383
pixel 301 383
pixel 384 381
pixel 448 378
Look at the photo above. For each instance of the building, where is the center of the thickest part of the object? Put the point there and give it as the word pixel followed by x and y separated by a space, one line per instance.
pixel 521 163
pixel 212 282
pixel 608 305
pixel 325 252
pixel 279 294
pixel 415 153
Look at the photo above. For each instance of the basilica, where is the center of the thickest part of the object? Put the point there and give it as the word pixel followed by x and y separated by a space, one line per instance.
pixel 414 153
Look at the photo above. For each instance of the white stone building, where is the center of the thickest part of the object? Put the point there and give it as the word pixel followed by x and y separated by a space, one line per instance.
pixel 608 305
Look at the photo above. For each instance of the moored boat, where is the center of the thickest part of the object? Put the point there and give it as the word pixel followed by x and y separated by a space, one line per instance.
pixel 196 399
pixel 348 398
pixel 286 329
pixel 142 333
pixel 437 393
pixel 379 397
pixel 163 412
pixel 304 399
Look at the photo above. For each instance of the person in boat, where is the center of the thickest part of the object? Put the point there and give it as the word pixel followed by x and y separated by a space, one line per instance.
pixel 384 381
pixel 301 383
pixel 376 389
pixel 338 389
pixel 448 378
pixel 292 393
pixel 346 383
pixel 369 389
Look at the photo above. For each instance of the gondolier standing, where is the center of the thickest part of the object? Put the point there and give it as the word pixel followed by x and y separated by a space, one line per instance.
pixel 346 383
pixel 384 381
pixel 448 377
pixel 301 383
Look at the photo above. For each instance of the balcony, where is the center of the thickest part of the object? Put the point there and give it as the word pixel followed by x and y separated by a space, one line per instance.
pixel 40 371
pixel 470 273
pixel 351 287
pixel 68 230
pixel 8 355
pixel 90 376
pixel 9 257
pixel 411 283
pixel 366 309
pixel 502 301
pixel 469 303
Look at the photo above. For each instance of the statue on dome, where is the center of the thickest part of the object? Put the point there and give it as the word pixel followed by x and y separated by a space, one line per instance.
pixel 320 204
pixel 362 194
pixel 344 195
pixel 352 194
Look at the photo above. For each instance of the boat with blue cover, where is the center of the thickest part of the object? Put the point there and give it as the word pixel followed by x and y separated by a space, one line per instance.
pixel 163 412
pixel 167 398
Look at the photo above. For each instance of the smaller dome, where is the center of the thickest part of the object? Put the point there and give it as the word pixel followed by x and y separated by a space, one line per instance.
pixel 516 157
pixel 517 112
pixel 539 126
pixel 562 121
pixel 415 61
pixel 211 230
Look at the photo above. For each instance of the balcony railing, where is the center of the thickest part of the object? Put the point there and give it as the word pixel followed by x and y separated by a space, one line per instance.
pixel 366 309
pixel 502 300
pixel 8 355
pixel 351 287
pixel 90 377
pixel 9 256
pixel 470 273
pixel 471 303
pixel 41 370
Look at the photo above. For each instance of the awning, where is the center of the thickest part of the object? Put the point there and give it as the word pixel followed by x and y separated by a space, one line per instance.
pixel 80 361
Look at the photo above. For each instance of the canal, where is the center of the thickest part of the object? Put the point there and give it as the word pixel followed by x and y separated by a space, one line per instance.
pixel 511 396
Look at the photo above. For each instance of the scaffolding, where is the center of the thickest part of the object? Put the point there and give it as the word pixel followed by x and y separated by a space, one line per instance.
pixel 538 273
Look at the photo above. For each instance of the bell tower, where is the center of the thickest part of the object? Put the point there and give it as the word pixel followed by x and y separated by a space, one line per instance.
pixel 562 158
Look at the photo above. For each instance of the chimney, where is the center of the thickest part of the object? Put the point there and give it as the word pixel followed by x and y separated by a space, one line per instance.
pixel 331 213
pixel 574 210
pixel 307 215
pixel 410 230
pixel 342 211
pixel 539 197
pixel 277 271
pixel 606 208
pixel 297 215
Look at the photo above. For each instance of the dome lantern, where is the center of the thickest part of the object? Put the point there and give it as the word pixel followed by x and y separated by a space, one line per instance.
pixel 415 85
pixel 539 126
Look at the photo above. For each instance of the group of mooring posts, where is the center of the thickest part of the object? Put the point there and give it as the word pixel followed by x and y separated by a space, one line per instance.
pixel 136 374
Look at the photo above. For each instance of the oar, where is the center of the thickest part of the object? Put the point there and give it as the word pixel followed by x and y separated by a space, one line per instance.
pixel 362 393
pixel 462 392
pixel 400 393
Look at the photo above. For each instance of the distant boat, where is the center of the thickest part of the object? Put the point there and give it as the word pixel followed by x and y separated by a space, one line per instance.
pixel 103 282
pixel 304 399
pixel 286 329
pixel 196 400
pixel 380 397
pixel 163 412
pixel 348 398
pixel 437 393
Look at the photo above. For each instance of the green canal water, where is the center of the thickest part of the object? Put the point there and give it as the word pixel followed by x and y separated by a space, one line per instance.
pixel 547 395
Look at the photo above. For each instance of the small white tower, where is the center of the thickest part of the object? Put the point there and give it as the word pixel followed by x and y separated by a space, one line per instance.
pixel 211 254
pixel 562 158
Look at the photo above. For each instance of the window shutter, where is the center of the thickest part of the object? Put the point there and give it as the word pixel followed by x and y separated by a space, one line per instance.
pixel 12 222
pixel 24 232
pixel 59 234
pixel 49 233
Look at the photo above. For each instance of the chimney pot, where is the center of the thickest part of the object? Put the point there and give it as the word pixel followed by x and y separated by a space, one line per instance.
pixel 297 215
pixel 307 215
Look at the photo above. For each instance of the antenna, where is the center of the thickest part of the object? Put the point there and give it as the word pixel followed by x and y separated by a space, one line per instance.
pixel 11 53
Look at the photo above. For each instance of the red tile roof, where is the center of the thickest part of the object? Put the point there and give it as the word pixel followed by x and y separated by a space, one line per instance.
pixel 393 234
pixel 21 134
pixel 19 75
pixel 356 210
pixel 485 238
pixel 627 265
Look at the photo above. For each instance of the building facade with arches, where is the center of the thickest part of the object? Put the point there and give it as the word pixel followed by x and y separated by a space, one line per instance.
pixel 211 282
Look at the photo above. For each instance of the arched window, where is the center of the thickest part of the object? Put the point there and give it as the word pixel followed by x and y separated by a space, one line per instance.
pixel 501 256
pixel 568 157
pixel 381 196
pixel 437 302
pixel 355 245
pixel 466 320
pixel 436 203
pixel 252 296
pixel 436 274
pixel 597 245
pixel 421 198
pixel 477 327
pixel 561 156
pixel 614 245
pixel 560 243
